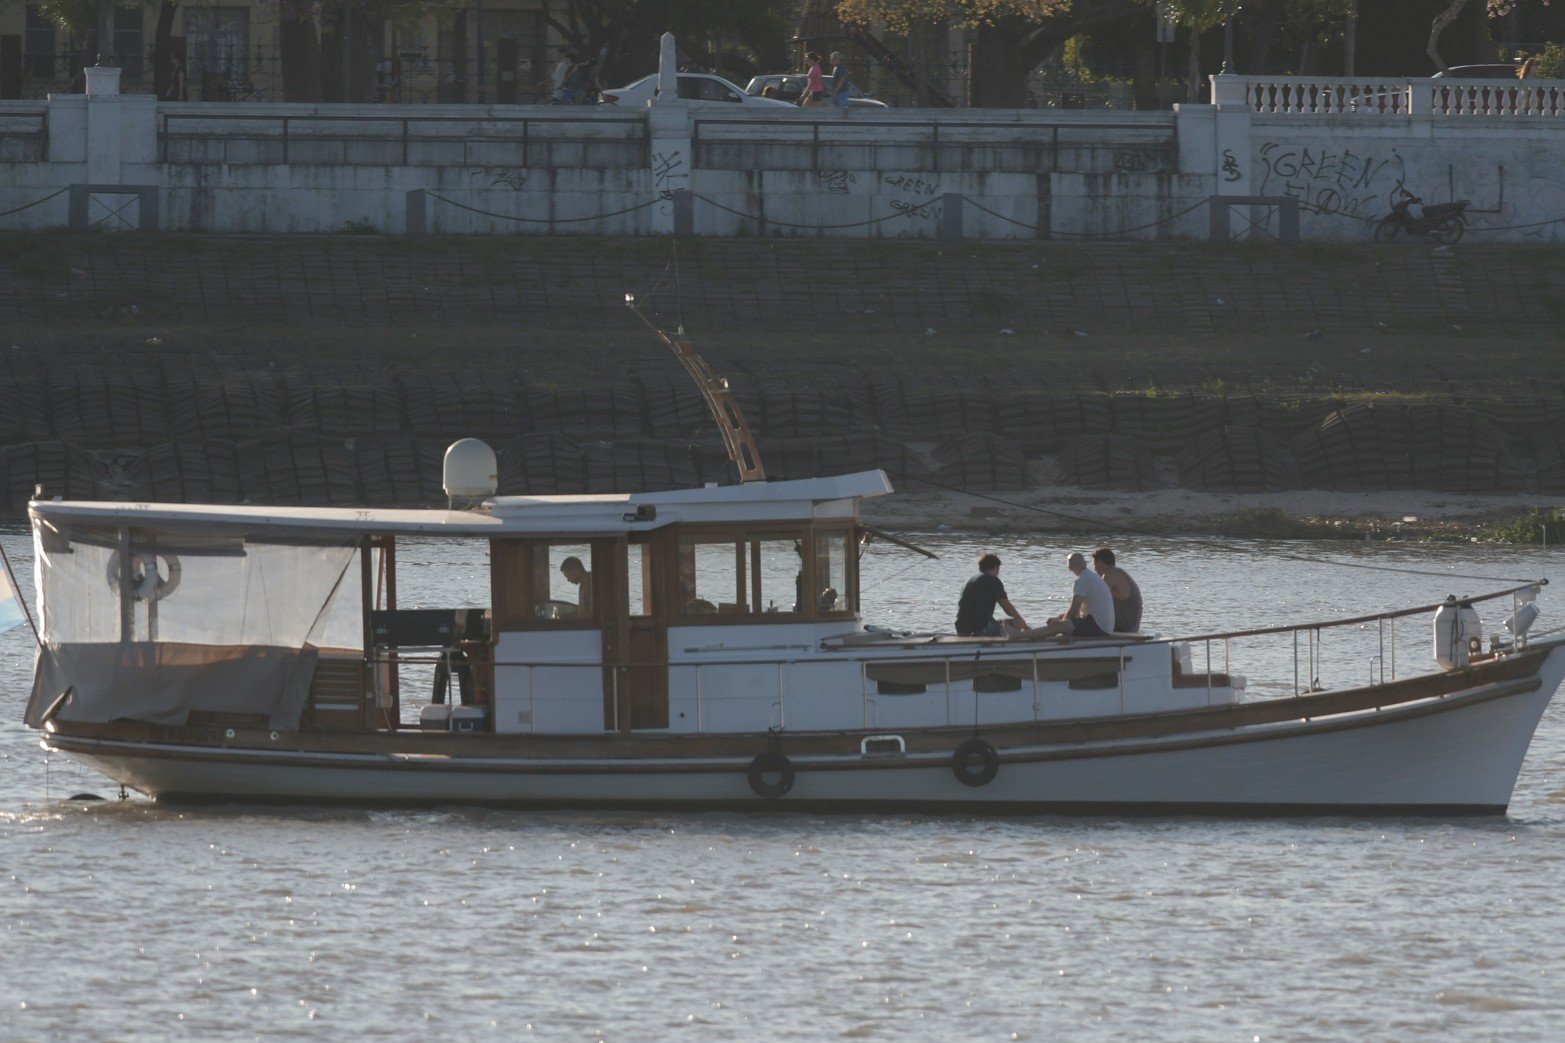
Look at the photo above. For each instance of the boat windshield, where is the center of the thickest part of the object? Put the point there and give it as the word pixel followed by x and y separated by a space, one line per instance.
pixel 149 624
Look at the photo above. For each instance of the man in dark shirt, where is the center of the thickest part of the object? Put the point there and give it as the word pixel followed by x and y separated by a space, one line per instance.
pixel 975 612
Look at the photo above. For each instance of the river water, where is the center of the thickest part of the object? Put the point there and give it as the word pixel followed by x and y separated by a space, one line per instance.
pixel 127 921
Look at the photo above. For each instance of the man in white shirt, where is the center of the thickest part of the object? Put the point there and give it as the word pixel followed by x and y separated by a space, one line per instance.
pixel 562 70
pixel 1091 612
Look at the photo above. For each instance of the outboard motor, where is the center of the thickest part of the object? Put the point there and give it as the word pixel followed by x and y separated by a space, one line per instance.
pixel 1458 633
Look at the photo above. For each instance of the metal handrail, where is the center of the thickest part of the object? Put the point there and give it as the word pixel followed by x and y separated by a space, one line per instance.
pixel 1018 649
pixel 1371 618
pixel 401 123
pixel 1049 140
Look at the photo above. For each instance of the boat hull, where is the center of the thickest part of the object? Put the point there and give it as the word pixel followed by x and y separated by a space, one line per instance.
pixel 1444 751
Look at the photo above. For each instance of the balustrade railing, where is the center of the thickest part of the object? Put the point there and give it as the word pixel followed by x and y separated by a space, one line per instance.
pixel 1437 97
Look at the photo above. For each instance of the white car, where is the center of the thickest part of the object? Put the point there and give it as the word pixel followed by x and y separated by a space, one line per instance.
pixel 702 88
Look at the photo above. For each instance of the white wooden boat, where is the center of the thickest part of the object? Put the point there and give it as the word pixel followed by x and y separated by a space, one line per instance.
pixel 703 649
pixel 719 660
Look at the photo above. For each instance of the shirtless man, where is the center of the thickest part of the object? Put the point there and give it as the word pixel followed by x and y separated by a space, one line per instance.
pixel 1091 612
pixel 1127 596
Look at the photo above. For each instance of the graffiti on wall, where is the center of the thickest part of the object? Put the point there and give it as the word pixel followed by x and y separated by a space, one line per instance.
pixel 1327 180
pixel 917 199
pixel 1518 191
pixel 835 180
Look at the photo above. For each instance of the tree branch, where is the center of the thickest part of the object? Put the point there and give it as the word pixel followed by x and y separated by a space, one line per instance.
pixel 1438 26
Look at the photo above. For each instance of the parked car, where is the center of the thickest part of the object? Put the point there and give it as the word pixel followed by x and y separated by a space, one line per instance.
pixel 791 84
pixel 1478 72
pixel 699 87
pixel 1395 102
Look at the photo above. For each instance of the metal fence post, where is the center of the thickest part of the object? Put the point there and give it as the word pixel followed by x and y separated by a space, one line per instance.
pixel 415 223
pixel 684 212
pixel 951 217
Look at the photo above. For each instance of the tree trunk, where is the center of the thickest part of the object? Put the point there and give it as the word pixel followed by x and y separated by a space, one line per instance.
pixel 1438 26
pixel 997 73
pixel 333 25
pixel 1143 82
pixel 1193 90
pixel 299 41
pixel 1350 39
pixel 163 78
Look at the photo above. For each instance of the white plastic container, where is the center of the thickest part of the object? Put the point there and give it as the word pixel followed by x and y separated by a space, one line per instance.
pixel 469 718
pixel 436 717
pixel 1458 634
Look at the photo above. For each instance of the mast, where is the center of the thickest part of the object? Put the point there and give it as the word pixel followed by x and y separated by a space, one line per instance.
pixel 719 399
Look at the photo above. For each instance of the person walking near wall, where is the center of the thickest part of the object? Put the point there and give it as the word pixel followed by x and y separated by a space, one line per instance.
pixel 814 94
pixel 560 94
pixel 838 93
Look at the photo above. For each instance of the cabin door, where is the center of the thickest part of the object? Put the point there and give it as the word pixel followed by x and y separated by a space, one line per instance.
pixel 635 644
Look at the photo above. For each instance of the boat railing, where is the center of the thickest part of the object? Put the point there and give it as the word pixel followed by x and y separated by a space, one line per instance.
pixel 953 668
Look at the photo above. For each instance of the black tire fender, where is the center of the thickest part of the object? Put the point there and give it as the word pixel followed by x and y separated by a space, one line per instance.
pixel 975 763
pixel 772 762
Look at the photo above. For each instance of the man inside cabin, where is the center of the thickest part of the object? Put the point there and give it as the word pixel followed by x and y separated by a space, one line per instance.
pixel 975 611
pixel 1127 596
pixel 1091 612
pixel 573 570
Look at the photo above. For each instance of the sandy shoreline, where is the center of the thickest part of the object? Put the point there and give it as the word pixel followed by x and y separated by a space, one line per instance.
pixel 1299 513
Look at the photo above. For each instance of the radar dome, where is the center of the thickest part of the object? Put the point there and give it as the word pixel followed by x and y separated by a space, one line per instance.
pixel 470 471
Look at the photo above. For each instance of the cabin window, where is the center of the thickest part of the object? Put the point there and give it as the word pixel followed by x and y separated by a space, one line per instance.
pixel 765 573
pixel 711 575
pixel 638 572
pixel 561 581
pixel 776 574
pixel 834 591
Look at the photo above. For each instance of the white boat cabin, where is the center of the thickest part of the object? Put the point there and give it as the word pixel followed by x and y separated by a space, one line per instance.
pixel 723 609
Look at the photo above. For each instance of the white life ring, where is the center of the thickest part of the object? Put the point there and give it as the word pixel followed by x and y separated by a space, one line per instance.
pixel 149 582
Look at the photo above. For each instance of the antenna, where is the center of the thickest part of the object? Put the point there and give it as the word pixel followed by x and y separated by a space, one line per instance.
pixel 719 399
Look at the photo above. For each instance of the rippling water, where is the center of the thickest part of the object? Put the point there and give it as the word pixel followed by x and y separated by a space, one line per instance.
pixel 131 922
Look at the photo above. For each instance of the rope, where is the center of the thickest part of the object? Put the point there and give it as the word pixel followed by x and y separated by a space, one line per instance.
pixel 791 224
pixel 1084 235
pixel 542 220
pixel 1486 228
pixel 36 202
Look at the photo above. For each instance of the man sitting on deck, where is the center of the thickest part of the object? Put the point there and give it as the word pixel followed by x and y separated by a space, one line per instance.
pixel 1091 612
pixel 975 612
pixel 1127 596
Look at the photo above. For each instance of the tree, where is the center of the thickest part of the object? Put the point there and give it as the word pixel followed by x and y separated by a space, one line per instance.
pixel 1438 26
pixel 622 35
pixel 1011 38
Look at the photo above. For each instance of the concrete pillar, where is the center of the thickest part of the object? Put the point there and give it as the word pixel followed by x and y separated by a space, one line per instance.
pixel 1214 140
pixel 103 125
pixel 951 230
pixel 414 213
pixel 668 67
pixel 669 129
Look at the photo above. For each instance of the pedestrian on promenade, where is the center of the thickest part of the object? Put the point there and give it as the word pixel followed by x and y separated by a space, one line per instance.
pixel 560 94
pixel 582 83
pixel 814 94
pixel 837 94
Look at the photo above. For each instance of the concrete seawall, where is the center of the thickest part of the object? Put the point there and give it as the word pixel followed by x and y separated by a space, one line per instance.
pixel 336 370
pixel 1322 160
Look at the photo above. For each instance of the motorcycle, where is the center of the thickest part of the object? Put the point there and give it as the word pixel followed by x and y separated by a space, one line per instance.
pixel 1442 222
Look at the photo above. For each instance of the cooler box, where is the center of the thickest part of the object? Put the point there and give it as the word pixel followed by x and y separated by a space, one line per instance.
pixel 469 718
pixel 436 717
